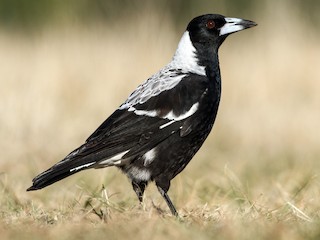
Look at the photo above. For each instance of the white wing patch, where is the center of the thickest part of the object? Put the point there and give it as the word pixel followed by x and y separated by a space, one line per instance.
pixel 115 160
pixel 166 124
pixel 82 166
pixel 143 112
pixel 149 156
pixel 170 116
pixel 192 110
pixel 175 118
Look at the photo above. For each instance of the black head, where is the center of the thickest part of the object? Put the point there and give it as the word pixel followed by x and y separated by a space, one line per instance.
pixel 207 32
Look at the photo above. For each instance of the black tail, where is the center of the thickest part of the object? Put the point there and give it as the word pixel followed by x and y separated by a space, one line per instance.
pixel 49 177
pixel 60 171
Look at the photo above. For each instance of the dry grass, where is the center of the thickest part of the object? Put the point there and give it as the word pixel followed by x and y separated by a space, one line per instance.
pixel 255 178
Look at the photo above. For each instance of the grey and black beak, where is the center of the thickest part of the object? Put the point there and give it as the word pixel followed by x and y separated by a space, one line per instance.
pixel 234 25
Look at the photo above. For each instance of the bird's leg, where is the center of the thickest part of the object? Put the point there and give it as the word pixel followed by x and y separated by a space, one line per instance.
pixel 139 188
pixel 168 201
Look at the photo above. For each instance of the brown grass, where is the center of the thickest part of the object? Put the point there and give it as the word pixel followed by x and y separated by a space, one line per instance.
pixel 255 178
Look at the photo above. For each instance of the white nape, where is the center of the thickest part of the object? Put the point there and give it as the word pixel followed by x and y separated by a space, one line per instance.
pixel 183 62
pixel 186 58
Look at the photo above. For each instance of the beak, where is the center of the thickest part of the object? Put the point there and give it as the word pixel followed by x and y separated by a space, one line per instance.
pixel 234 25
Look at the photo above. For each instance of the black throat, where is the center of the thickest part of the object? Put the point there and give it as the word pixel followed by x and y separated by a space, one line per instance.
pixel 208 57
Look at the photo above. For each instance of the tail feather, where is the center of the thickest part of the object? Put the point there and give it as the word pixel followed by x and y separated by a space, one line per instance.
pixel 57 172
pixel 74 162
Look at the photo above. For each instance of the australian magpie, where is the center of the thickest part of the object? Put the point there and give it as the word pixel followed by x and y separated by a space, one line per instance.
pixel 154 134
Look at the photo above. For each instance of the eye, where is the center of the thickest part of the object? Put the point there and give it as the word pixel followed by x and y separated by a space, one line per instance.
pixel 210 24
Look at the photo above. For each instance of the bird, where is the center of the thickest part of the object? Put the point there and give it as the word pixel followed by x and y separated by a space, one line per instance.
pixel 155 133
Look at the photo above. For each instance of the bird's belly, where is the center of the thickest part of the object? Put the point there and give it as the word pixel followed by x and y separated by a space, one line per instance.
pixel 170 158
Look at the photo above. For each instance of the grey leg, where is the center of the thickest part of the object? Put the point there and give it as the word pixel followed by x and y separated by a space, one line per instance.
pixel 168 201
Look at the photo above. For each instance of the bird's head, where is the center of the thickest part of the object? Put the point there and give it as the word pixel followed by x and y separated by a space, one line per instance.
pixel 211 30
pixel 200 42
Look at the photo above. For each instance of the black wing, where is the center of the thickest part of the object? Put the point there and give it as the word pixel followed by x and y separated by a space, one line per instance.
pixel 125 130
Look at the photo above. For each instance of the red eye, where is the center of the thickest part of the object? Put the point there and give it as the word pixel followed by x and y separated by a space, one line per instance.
pixel 210 24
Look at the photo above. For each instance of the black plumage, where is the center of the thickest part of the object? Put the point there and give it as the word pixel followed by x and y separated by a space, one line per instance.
pixel 154 134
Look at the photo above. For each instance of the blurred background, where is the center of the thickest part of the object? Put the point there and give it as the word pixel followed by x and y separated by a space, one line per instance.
pixel 66 65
